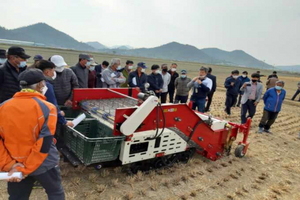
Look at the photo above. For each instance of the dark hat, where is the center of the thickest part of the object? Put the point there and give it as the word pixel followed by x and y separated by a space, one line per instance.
pixel 142 65
pixel 2 53
pixel 154 67
pixel 37 57
pixel 183 71
pixel 84 56
pixel 31 76
pixel 17 51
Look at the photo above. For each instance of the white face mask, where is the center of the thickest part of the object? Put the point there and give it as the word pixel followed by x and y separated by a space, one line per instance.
pixel 88 64
pixel 173 69
pixel 54 76
pixel 92 68
pixel 130 67
pixel 44 89
pixel 59 69
pixel 143 70
pixel 119 67
pixel 2 60
pixel 157 72
pixel 22 64
pixel 244 76
pixel 235 77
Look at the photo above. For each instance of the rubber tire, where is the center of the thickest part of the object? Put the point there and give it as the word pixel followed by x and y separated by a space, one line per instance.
pixel 239 151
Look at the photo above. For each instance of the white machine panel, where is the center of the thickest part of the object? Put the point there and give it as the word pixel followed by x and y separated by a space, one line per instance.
pixel 139 148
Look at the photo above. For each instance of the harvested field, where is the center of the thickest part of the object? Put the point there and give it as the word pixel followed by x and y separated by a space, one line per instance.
pixel 270 169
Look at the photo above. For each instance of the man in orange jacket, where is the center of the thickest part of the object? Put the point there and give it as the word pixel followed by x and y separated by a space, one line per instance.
pixel 27 127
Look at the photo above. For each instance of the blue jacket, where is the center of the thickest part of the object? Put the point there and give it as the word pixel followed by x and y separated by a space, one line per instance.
pixel 243 80
pixel 156 82
pixel 135 81
pixel 273 101
pixel 235 89
pixel 50 95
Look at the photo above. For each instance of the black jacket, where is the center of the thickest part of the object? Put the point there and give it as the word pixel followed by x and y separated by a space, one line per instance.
pixel 82 74
pixel 171 86
pixel 233 90
pixel 214 81
pixel 156 82
pixel 140 81
pixel 9 83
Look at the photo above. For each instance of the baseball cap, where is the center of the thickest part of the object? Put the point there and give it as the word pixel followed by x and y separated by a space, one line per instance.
pixel 183 71
pixel 31 76
pixel 18 51
pixel 93 63
pixel 2 53
pixel 142 65
pixel 37 57
pixel 59 62
pixel 84 56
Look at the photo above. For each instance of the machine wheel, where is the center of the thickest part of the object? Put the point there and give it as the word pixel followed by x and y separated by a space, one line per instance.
pixel 239 151
pixel 158 163
pixel 135 168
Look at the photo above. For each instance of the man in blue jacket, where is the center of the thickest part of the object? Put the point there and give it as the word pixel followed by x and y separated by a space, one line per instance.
pixel 233 85
pixel 155 80
pixel 243 79
pixel 138 78
pixel 273 100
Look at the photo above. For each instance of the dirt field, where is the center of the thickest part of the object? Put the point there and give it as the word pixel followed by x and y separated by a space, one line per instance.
pixel 270 169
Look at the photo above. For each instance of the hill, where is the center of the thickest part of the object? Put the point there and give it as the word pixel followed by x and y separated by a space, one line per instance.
pixel 237 57
pixel 291 68
pixel 45 34
pixel 97 45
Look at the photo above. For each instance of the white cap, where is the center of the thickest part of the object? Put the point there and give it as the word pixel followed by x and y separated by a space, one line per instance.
pixel 59 62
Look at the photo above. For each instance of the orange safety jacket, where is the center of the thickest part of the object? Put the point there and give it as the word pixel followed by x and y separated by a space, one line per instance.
pixel 27 127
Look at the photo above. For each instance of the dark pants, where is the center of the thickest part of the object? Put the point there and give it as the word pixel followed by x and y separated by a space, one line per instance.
pixel 296 94
pixel 99 83
pixel 230 100
pixel 268 119
pixel 50 180
pixel 181 99
pixel 209 100
pixel 163 97
pixel 239 100
pixel 171 95
pixel 249 108
pixel 200 104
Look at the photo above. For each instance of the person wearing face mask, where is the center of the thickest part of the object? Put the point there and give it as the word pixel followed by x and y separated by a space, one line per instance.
pixel 64 81
pixel 155 80
pixel 138 78
pixel 251 96
pixel 171 86
pixel 212 91
pixel 233 85
pixel 273 100
pixel 27 145
pixel 112 77
pixel 166 78
pixel 10 70
pixel 48 69
pixel 201 87
pixel 126 71
pixel 99 69
pixel 243 79
pixel 2 56
pixel 81 70
pixel 182 91
pixel 92 74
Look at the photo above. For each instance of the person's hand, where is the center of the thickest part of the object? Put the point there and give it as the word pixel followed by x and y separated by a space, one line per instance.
pixel 244 85
pixel 255 103
pixel 199 81
pixel 160 91
pixel 196 78
pixel 62 113
pixel 156 91
pixel 232 83
pixel 68 103
pixel 12 170
pixel 70 123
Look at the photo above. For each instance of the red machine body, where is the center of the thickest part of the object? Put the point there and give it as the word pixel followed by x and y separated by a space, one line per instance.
pixel 212 144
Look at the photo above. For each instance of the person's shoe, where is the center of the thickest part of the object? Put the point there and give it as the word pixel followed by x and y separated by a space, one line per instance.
pixel 260 130
pixel 268 131
pixel 37 185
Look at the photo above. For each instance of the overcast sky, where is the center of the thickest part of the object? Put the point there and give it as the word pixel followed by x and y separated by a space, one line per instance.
pixel 266 29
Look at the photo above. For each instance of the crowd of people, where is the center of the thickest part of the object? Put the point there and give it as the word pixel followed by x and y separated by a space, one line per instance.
pixel 30 98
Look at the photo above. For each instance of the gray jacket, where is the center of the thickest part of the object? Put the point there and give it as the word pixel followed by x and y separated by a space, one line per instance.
pixel 181 86
pixel 82 74
pixel 112 79
pixel 247 92
pixel 64 84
